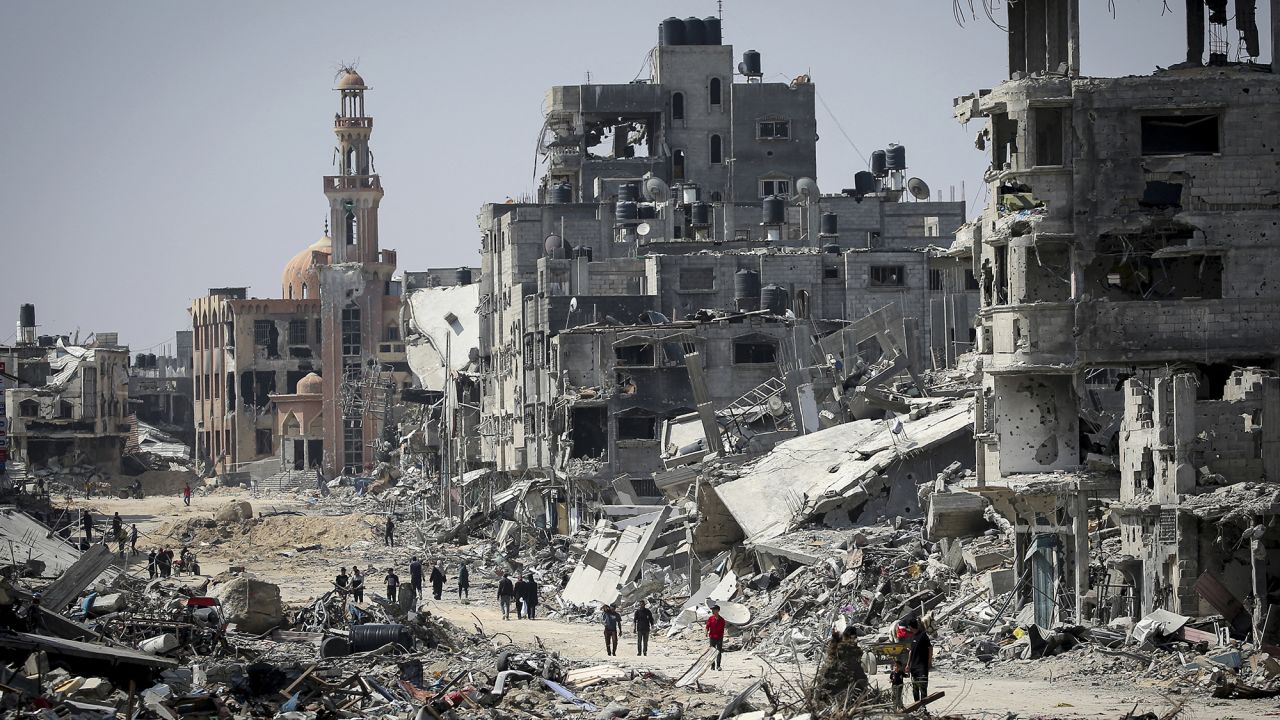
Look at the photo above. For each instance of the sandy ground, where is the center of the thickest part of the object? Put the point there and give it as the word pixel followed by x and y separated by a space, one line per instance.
pixel 351 539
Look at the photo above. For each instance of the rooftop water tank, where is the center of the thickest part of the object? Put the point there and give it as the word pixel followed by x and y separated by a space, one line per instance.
pixel 561 194
pixel 27 315
pixel 750 65
pixel 628 192
pixel 774 210
pixel 773 298
pixel 897 157
pixel 878 162
pixel 712 26
pixel 700 214
pixel 671 32
pixel 462 276
pixel 864 183
pixel 625 211
pixel 746 284
pixel 695 33
pixel 828 224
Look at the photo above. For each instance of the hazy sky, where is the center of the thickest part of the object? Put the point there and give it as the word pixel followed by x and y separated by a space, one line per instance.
pixel 159 148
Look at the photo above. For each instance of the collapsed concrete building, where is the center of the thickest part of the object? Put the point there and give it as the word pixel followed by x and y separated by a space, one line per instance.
pixel 679 216
pixel 1128 269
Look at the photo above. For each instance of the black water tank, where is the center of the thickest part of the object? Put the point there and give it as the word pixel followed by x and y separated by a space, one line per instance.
pixel 700 214
pixel 695 33
pixel 628 192
pixel 647 212
pixel 746 284
pixel 583 251
pixel 828 224
pixel 774 210
pixel 27 315
pixel 878 162
pixel 625 212
pixel 750 64
pixel 712 26
pixel 671 32
pixel 897 157
pixel 374 635
pixel 864 183
pixel 335 647
pixel 561 194
pixel 773 298
pixel 462 276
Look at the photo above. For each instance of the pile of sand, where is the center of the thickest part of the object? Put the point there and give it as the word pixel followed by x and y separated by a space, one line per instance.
pixel 278 532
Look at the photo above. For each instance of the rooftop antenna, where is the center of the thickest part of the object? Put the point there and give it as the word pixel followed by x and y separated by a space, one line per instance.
pixel 720 8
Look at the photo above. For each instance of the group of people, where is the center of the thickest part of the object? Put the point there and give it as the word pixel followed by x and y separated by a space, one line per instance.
pixel 353 583
pixel 641 622
pixel 160 563
pixel 123 538
pixel 523 594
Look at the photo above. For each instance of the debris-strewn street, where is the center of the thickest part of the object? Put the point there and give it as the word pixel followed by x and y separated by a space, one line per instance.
pixel 696 437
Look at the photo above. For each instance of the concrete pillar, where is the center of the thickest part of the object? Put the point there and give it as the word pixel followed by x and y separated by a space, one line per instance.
pixel 1073 37
pixel 1080 535
pixel 1184 433
pixel 1195 31
pixel 1271 426
pixel 1017 37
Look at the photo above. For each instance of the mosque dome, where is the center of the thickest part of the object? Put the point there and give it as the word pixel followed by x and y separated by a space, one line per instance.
pixel 311 384
pixel 299 281
pixel 350 80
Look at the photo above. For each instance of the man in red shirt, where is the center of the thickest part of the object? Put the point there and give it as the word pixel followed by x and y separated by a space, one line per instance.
pixel 715 633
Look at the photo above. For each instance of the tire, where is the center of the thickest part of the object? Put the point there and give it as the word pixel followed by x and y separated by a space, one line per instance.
pixel 503 661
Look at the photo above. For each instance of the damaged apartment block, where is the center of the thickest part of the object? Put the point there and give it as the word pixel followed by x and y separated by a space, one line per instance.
pixel 1127 265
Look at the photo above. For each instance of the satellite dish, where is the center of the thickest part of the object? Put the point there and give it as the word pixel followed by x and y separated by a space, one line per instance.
pixel 655 189
pixel 643 229
pixel 573 304
pixel 807 190
pixel 552 245
pixel 918 188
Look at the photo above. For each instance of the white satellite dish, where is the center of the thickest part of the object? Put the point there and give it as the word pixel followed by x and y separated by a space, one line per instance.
pixel 655 189
pixel 807 190
pixel 918 188
pixel 643 229
pixel 573 304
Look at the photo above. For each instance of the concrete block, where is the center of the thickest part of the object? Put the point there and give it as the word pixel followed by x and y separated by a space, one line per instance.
pixel 1000 582
pixel 955 514
pixel 978 559
pixel 94 688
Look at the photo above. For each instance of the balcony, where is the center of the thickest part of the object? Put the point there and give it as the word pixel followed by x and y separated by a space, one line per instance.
pixel 352 182
pixel 1034 335
pixel 360 123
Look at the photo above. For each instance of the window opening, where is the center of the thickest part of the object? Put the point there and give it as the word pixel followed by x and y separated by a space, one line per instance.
pixel 717 150
pixel 1179 134
pixel 677 106
pixel 773 129
pixel 888 276
pixel 713 91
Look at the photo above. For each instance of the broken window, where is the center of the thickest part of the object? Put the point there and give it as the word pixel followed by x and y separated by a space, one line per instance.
pixel 831 273
pixel 29 409
pixel 588 432
pixel 717 150
pixel 1179 134
pixel 350 219
pixel 351 340
pixel 774 187
pixel 634 355
pixel 677 106
pixel 89 393
pixel 970 280
pixel 352 444
pixel 304 291
pixel 1050 136
pixel 65 411
pixel 773 129
pixel 1153 267
pixel 230 394
pixel 697 278
pixel 297 332
pixel 392 333
pixel 637 427
pixel 935 279
pixel 262 441
pixel 754 350
pixel 887 276
pixel 713 91
pixel 1004 143
pixel 677 165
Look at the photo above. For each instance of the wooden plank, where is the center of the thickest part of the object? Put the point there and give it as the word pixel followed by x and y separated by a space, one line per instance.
pixel 928 699
pixel 76 578
pixel 288 691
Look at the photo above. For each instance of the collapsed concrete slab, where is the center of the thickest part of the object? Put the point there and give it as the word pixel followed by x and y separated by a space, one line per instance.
pixel 252 605
pixel 613 559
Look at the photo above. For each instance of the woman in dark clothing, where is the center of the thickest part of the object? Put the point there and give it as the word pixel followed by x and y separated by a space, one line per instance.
pixel 437 580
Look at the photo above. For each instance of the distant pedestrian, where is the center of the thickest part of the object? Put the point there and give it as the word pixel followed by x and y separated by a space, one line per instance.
pixel 895 682
pixel 86 521
pixel 415 576
pixel 715 633
pixel 506 594
pixel 121 539
pixel 342 579
pixel 88 489
pixel 437 580
pixel 388 533
pixel 520 589
pixel 393 584
pixel 612 626
pixel 133 539
pixel 357 585
pixel 151 564
pixel 530 596
pixel 919 659
pixel 117 526
pixel 643 623
pixel 464 581
pixel 186 494
pixel 164 562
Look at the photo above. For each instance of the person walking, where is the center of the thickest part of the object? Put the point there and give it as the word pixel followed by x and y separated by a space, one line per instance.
pixel 121 539
pixel 415 577
pixel 393 583
pixel 163 562
pixel 342 579
pixel 895 682
pixel 612 626
pixel 715 633
pixel 117 526
pixel 86 521
pixel 919 659
pixel 151 564
pixel 357 585
pixel 506 593
pixel 133 539
pixel 518 592
pixel 388 533
pixel 186 494
pixel 464 581
pixel 642 621
pixel 437 580
pixel 530 596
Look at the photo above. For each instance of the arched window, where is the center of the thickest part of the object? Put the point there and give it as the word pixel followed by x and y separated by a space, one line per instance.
pixel 351 227
pixel 677 165
pixel 717 149
pixel 714 91
pixel 304 291
pixel 677 106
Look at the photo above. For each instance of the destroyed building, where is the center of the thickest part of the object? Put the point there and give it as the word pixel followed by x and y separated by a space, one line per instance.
pixel 337 317
pixel 1128 270
pixel 161 391
pixel 678 213
pixel 63 402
